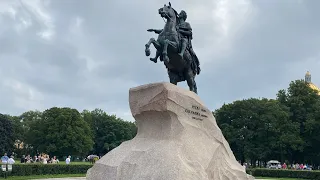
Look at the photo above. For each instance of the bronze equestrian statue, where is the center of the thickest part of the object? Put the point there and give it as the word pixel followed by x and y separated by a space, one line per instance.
pixel 174 47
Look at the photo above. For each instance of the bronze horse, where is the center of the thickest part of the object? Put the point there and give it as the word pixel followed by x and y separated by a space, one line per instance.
pixel 168 45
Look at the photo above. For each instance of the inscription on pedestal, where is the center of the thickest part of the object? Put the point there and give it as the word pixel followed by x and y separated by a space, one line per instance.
pixel 197 113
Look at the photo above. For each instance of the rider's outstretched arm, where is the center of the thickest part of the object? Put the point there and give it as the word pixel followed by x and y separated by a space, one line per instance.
pixel 158 31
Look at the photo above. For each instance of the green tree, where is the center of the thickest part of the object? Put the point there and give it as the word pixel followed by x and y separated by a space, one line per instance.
pixel 303 106
pixel 312 137
pixel 7 136
pixel 22 131
pixel 108 130
pixel 61 132
pixel 257 129
pixel 285 138
pixel 27 118
pixel 18 134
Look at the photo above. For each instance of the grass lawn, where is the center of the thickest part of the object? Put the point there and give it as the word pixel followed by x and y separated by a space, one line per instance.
pixel 267 178
pixel 43 176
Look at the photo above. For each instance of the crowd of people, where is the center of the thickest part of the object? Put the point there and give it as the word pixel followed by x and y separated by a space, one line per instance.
pixel 296 166
pixel 41 158
pixel 278 165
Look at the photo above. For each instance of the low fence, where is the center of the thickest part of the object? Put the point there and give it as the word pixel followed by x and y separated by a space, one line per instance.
pixel 45 169
pixel 283 173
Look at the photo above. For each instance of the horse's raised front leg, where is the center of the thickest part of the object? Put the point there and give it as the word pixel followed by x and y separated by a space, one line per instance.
pixel 165 49
pixel 155 43
pixel 156 57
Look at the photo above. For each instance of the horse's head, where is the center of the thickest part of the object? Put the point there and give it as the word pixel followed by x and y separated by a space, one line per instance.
pixel 168 12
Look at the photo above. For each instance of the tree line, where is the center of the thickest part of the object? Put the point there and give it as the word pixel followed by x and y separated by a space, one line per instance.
pixel 286 128
pixel 62 132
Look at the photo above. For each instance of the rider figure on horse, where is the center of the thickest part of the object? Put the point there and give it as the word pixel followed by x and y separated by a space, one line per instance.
pixel 185 32
pixel 174 47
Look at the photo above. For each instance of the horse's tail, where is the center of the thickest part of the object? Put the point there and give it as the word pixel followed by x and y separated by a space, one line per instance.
pixel 195 68
pixel 195 65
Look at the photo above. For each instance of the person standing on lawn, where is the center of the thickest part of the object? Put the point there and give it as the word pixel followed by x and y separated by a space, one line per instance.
pixel 68 160
pixel 4 159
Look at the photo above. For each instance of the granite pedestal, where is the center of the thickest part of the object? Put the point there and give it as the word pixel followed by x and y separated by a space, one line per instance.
pixel 178 139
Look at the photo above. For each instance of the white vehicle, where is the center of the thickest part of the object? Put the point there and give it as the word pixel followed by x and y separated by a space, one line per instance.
pixel 273 164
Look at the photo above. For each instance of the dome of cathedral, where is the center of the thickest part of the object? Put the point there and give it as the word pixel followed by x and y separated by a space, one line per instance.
pixel 314 87
pixel 308 73
pixel 311 85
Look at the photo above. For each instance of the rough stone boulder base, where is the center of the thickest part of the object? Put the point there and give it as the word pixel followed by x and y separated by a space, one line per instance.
pixel 178 139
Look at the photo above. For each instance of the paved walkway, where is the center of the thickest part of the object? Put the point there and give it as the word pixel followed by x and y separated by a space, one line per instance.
pixel 71 178
pixel 83 178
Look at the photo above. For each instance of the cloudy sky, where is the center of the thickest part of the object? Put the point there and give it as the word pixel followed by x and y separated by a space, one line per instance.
pixel 87 54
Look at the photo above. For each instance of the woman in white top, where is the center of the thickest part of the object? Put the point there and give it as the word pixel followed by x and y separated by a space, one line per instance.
pixel 44 161
pixel 11 160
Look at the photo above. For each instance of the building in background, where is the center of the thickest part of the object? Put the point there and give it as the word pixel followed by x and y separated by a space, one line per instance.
pixel 307 78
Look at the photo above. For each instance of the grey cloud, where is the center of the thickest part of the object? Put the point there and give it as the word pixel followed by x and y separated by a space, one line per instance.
pixel 260 54
pixel 280 35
